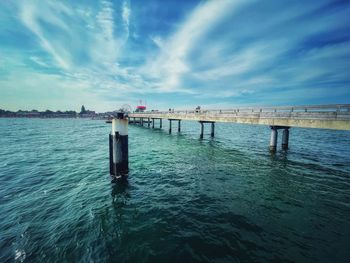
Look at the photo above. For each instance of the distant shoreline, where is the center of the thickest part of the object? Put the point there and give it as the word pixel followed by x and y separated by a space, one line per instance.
pixel 49 114
pixel 56 117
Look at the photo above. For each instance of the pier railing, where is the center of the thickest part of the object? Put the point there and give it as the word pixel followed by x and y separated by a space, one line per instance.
pixel 313 111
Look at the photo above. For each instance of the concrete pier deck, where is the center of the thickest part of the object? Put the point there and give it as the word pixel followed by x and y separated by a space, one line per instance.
pixel 333 116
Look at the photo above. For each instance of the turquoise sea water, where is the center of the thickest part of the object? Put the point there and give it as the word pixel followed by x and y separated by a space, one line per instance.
pixel 225 199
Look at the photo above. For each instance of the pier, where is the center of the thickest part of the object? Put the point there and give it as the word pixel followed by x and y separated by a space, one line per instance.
pixel 333 116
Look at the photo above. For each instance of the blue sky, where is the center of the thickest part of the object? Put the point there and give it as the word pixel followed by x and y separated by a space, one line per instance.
pixel 173 54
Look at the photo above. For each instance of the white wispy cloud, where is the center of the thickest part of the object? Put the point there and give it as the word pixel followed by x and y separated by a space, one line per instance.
pixel 38 61
pixel 32 18
pixel 171 62
pixel 126 16
pixel 106 44
pixel 158 41
pixel 99 46
pixel 268 51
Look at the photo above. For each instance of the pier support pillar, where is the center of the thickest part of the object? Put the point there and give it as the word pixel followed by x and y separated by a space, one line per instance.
pixel 152 123
pixel 169 126
pixel 202 130
pixel 134 121
pixel 118 146
pixel 149 122
pixel 179 126
pixel 111 163
pixel 141 121
pixel 273 139
pixel 212 129
pixel 160 123
pixel 285 138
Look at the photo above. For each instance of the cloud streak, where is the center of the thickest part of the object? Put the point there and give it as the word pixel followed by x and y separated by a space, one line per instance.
pixel 30 17
pixel 171 63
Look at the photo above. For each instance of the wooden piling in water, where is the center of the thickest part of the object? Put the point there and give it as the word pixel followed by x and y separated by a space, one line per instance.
pixel 202 130
pixel 118 146
pixel 111 164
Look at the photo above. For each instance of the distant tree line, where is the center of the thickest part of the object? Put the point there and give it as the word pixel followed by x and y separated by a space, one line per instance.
pixel 47 113
pixel 36 113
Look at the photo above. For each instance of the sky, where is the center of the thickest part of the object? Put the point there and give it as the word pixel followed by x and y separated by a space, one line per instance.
pixel 59 55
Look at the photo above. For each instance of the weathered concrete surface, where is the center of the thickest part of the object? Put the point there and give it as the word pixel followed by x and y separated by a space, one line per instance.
pixel 323 117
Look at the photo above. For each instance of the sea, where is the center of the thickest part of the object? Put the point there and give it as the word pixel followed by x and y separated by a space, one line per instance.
pixel 185 199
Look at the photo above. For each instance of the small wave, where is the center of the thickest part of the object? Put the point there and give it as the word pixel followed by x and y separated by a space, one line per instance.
pixel 20 255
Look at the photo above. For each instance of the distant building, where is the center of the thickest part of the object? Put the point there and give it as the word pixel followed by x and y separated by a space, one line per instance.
pixel 140 108
pixel 84 113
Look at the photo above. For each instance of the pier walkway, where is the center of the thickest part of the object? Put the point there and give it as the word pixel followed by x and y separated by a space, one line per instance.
pixel 334 116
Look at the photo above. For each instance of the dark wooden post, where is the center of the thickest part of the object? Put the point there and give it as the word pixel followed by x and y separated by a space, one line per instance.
pixel 118 146
pixel 202 130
